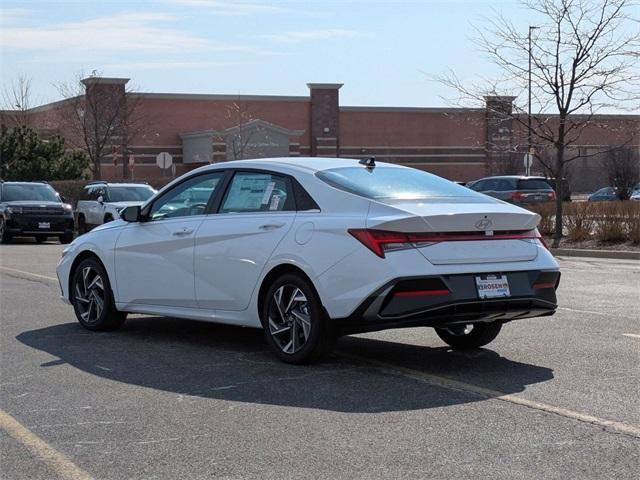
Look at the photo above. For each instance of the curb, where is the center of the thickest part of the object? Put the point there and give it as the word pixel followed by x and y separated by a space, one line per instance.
pixel 616 254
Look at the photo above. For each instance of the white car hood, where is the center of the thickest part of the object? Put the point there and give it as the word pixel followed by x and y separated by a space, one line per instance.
pixel 125 204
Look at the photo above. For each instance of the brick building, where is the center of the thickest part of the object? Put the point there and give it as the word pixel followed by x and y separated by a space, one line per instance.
pixel 196 129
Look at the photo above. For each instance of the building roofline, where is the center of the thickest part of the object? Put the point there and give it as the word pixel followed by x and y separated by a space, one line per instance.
pixel 105 81
pixel 411 109
pixel 220 97
pixel 325 86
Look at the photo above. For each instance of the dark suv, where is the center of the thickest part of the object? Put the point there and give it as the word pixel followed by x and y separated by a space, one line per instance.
pixel 33 209
pixel 515 189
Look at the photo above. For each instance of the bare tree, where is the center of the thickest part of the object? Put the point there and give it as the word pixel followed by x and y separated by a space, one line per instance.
pixel 241 119
pixel 584 60
pixel 17 99
pixel 99 120
pixel 623 170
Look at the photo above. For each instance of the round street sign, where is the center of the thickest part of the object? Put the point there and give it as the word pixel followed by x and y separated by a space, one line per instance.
pixel 164 160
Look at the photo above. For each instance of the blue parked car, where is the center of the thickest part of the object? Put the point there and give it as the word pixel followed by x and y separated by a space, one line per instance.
pixel 606 194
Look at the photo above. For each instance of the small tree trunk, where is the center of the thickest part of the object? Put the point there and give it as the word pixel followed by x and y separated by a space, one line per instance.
pixel 97 174
pixel 557 234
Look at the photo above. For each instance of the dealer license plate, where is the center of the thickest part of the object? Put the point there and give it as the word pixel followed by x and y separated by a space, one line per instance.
pixel 46 225
pixel 492 286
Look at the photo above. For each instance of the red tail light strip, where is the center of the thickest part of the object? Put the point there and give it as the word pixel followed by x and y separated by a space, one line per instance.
pixel 375 240
pixel 421 293
pixel 540 286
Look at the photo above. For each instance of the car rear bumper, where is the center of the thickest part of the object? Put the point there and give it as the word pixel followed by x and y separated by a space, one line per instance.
pixel 452 299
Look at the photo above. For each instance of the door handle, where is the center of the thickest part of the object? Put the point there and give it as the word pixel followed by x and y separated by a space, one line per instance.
pixel 184 231
pixel 271 226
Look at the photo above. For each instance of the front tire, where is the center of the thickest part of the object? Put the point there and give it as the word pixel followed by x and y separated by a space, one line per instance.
pixel 469 336
pixel 82 225
pixel 5 237
pixel 92 298
pixel 295 323
pixel 66 238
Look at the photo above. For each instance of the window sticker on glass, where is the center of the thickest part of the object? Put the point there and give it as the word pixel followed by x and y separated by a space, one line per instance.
pixel 268 192
pixel 247 192
pixel 275 201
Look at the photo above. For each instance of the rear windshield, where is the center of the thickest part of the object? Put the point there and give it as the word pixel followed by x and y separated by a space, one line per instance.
pixel 38 192
pixel 389 183
pixel 130 194
pixel 533 184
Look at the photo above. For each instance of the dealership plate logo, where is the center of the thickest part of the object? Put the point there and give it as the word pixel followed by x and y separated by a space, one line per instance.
pixel 484 224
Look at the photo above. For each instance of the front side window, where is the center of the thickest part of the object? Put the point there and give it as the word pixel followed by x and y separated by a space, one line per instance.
pixel 258 192
pixel 37 192
pixel 186 199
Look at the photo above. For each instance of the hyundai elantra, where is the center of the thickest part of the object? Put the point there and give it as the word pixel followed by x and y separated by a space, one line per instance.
pixel 309 249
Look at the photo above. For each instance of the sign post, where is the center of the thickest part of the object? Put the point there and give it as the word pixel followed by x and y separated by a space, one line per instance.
pixel 164 160
pixel 528 163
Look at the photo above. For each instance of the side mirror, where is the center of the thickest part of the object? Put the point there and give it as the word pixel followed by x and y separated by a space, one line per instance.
pixel 100 199
pixel 64 200
pixel 131 214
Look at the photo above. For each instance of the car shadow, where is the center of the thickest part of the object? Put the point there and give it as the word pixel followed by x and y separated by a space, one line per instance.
pixel 231 363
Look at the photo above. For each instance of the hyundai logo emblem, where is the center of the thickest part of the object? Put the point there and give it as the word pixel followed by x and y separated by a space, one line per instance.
pixel 483 224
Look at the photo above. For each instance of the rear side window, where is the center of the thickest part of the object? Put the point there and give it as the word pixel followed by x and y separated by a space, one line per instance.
pixel 533 184
pixel 258 192
pixel 389 183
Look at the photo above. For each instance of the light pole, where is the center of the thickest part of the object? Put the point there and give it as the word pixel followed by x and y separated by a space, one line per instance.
pixel 528 158
pixel 531 28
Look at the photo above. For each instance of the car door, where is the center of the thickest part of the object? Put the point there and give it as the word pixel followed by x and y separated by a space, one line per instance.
pixel 92 206
pixel 154 257
pixel 233 246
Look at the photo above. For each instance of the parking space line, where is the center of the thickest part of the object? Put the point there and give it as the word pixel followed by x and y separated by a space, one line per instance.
pixel 632 335
pixel 41 449
pixel 21 272
pixel 448 383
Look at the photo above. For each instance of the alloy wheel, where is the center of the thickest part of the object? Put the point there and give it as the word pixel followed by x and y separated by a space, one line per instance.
pixel 89 295
pixel 289 318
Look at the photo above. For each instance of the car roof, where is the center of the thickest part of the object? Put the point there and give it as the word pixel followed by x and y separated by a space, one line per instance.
pixel 515 177
pixel 117 184
pixel 25 183
pixel 308 164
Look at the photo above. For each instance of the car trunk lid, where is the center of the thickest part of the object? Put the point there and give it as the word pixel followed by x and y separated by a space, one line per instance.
pixel 482 231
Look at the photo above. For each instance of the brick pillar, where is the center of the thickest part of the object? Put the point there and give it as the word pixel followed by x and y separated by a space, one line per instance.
pixel 325 114
pixel 294 148
pixel 219 149
pixel 499 142
pixel 106 99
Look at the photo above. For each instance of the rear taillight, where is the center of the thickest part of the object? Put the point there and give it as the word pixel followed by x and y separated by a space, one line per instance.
pixel 552 196
pixel 517 196
pixel 379 241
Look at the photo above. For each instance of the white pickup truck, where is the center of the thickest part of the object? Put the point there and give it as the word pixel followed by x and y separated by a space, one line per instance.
pixel 101 202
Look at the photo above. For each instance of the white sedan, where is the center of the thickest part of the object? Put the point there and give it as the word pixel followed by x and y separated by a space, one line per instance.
pixel 309 249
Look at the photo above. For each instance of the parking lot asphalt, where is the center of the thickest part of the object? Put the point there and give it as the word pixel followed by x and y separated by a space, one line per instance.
pixel 553 397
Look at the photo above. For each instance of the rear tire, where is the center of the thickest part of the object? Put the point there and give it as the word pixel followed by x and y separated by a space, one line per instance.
pixel 108 218
pixel 66 238
pixel 295 323
pixel 41 239
pixel 92 298
pixel 460 336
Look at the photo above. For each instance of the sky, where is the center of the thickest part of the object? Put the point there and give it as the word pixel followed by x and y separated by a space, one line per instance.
pixel 385 52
